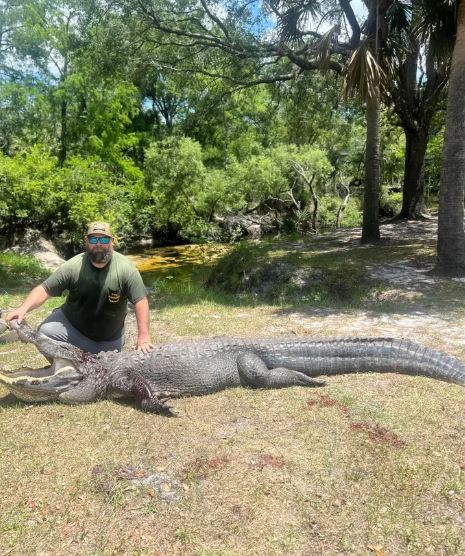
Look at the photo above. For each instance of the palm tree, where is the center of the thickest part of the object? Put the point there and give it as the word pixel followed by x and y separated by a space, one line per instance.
pixel 451 237
pixel 406 31
pixel 366 77
pixel 421 43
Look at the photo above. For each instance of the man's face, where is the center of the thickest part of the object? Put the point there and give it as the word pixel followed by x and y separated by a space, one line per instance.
pixel 99 248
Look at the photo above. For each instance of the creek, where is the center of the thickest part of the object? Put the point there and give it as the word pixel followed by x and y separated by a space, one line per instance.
pixel 179 260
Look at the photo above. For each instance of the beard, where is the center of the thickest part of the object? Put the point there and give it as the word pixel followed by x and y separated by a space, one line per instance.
pixel 99 255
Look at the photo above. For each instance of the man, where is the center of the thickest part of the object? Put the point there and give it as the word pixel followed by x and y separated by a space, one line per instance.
pixel 99 283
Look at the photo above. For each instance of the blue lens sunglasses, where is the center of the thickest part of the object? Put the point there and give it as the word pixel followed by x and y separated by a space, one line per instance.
pixel 94 240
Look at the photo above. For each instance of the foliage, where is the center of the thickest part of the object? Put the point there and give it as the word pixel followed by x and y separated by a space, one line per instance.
pixel 390 202
pixel 28 187
pixel 175 173
pixel 393 150
pixel 90 191
pixel 18 270
pixel 329 206
pixel 102 115
pixel 36 192
pixel 184 197
pixel 270 175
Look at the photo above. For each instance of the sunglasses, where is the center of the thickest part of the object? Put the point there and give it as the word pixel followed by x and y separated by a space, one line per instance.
pixel 93 240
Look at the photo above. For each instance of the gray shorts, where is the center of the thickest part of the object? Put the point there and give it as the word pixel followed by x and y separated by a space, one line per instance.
pixel 58 327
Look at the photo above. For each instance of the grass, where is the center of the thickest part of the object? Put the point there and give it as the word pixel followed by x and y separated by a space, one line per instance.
pixel 369 465
pixel 19 271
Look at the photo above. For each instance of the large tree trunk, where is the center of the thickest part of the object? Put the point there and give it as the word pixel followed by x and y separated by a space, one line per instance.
pixel 63 151
pixel 413 190
pixel 451 238
pixel 370 229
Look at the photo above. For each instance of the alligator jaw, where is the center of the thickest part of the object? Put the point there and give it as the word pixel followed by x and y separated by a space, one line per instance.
pixel 44 384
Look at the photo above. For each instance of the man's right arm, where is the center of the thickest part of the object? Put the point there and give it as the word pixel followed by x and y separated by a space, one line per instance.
pixel 35 299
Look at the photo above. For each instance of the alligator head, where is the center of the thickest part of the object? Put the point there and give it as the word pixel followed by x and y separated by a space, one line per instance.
pixel 42 384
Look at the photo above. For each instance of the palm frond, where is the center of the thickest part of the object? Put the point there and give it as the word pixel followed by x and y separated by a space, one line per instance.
pixel 323 48
pixel 437 25
pixel 364 76
pixel 293 16
pixel 399 16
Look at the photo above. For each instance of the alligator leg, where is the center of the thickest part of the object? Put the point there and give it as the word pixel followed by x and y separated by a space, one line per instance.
pixel 255 373
pixel 147 399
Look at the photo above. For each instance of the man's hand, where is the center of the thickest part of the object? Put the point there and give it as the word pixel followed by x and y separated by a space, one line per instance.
pixel 35 299
pixel 141 309
pixel 18 314
pixel 144 344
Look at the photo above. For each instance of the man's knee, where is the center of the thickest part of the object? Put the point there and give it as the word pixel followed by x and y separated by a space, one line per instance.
pixel 54 330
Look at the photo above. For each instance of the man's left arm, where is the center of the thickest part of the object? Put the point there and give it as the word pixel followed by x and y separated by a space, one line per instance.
pixel 141 309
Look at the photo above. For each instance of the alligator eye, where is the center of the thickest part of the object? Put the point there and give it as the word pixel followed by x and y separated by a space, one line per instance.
pixel 35 382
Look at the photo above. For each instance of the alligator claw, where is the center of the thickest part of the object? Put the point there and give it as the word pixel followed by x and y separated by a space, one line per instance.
pixel 159 406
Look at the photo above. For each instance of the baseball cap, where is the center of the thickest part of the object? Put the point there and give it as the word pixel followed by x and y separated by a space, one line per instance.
pixel 99 228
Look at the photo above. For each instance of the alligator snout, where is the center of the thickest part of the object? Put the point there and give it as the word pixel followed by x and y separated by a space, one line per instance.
pixel 43 384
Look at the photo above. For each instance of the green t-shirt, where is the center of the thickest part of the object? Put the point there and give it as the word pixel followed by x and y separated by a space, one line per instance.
pixel 97 300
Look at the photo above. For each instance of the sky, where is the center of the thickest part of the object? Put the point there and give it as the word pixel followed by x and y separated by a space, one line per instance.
pixel 359 8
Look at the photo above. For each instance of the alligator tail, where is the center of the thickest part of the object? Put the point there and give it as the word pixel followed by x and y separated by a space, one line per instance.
pixel 333 357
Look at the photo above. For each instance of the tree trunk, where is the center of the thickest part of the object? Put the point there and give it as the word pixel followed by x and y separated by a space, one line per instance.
pixel 63 151
pixel 414 183
pixel 370 229
pixel 451 238
pixel 414 93
pixel 342 207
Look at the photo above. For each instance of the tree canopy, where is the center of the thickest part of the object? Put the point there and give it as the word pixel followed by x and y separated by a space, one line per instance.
pixel 167 117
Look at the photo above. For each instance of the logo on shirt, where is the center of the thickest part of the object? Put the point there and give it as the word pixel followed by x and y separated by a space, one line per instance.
pixel 114 297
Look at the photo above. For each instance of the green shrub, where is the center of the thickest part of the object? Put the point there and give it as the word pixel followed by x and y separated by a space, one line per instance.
pixel 35 192
pixel 18 270
pixel 390 203
pixel 329 206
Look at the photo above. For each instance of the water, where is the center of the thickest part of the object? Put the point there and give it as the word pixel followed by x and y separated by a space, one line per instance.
pixel 179 260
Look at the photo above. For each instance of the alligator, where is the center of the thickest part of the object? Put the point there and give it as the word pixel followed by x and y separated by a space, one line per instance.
pixel 200 367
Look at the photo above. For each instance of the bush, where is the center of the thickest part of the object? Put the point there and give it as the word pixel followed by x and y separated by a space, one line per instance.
pixel 329 206
pixel 29 184
pixel 390 202
pixel 90 191
pixel 37 193
pixel 18 270
pixel 174 179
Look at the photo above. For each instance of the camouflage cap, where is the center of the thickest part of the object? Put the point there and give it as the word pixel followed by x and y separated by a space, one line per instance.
pixel 99 228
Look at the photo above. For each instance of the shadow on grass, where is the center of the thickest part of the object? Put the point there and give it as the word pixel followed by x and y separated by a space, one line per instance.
pixel 9 401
